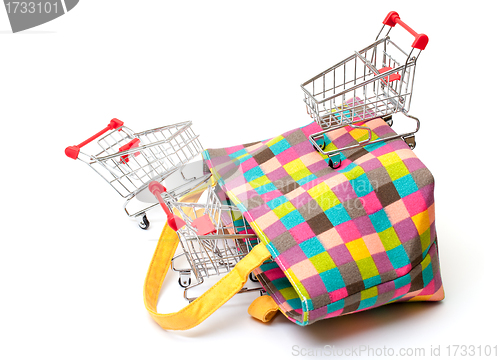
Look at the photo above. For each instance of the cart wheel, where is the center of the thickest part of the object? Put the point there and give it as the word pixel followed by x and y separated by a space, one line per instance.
pixel 252 277
pixel 335 165
pixel 321 146
pixel 185 285
pixel 144 224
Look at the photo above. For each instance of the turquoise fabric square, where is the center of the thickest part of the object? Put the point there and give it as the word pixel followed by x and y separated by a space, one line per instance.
pixel 361 185
pixel 279 147
pixel 337 215
pixel 405 185
pixel 398 257
pixel 292 219
pixel 332 279
pixel 337 305
pixel 312 247
pixel 380 221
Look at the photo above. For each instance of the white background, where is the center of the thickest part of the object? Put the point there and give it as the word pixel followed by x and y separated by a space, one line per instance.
pixel 72 265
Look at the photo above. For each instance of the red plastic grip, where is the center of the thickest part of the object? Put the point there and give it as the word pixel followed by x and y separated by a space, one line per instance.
pixel 420 41
pixel 73 151
pixel 130 145
pixel 173 221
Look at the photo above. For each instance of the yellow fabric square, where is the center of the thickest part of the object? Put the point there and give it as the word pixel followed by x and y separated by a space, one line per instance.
pixel 369 293
pixel 319 189
pixel 389 159
pixel 397 170
pixel 354 173
pixel 421 222
pixel 300 174
pixel 263 180
pixel 289 293
pixel 426 262
pixel 284 209
pixel 274 141
pixel 294 166
pixel 298 284
pixel 327 200
pixel 367 268
pixel 358 249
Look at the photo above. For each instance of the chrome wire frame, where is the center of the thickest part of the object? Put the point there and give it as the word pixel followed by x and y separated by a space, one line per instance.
pixel 161 152
pixel 217 253
pixel 355 91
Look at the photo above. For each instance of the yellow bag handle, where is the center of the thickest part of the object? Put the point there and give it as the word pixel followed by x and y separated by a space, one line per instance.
pixel 202 307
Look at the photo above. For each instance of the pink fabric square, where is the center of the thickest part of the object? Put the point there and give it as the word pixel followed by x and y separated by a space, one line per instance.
pixel 287 156
pixel 271 195
pixel 334 314
pixel 270 165
pixel 277 174
pixel 330 239
pixel 311 129
pixel 397 212
pixel 373 243
pixel 274 274
pixel 401 291
pixel 348 231
pixel 234 149
pixel 415 203
pixel 382 150
pixel 302 232
pixel 248 164
pixel 429 289
pixel 403 270
pixel 371 203
pixel 338 294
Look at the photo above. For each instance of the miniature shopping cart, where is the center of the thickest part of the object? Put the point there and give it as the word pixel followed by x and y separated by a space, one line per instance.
pixel 129 161
pixel 213 235
pixel 376 81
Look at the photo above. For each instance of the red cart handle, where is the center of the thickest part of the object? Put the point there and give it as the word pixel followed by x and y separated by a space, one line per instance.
pixel 73 151
pixel 421 40
pixel 173 221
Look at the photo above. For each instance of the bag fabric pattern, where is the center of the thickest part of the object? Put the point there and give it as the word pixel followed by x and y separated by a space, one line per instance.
pixel 341 240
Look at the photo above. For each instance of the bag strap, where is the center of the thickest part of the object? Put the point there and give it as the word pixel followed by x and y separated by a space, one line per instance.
pixel 202 307
pixel 263 308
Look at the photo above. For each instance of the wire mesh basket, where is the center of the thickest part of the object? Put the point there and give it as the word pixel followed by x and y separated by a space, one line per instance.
pixel 129 161
pixel 376 81
pixel 213 235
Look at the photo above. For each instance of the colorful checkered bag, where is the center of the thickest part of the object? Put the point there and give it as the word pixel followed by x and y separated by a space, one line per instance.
pixel 336 241
pixel 341 240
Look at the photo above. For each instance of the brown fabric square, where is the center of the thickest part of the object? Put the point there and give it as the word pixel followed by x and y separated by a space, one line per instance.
pixel 356 287
pixel 413 249
pixel 263 156
pixel 252 143
pixel 320 301
pixel 356 154
pixel 310 210
pixel 296 138
pixel 378 177
pixel 289 187
pixel 352 277
pixel 422 177
pixel 354 208
pixel 387 194
pixel 284 242
pixel 388 276
pixel 319 223
pixel 418 282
